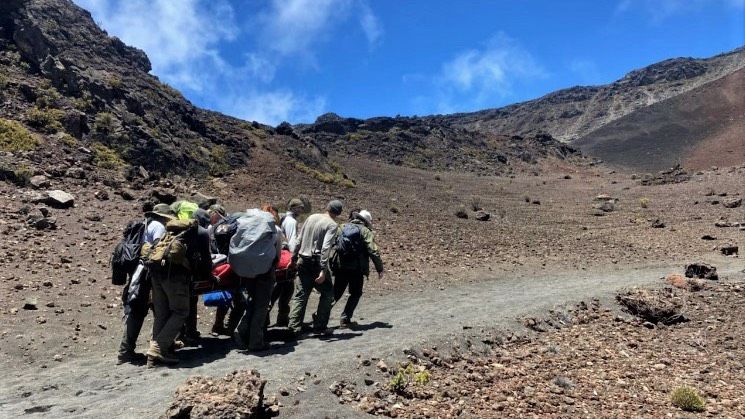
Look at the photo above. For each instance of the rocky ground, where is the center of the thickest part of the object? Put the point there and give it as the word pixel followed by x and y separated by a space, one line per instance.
pixel 55 271
pixel 588 361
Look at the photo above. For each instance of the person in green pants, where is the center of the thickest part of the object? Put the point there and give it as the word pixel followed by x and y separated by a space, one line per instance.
pixel 311 256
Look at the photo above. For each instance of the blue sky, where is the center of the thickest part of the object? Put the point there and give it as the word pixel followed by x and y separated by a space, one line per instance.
pixel 276 60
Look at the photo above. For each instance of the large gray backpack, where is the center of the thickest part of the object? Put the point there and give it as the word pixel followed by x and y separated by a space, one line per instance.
pixel 253 246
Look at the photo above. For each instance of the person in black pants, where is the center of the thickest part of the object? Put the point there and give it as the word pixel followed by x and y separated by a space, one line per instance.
pixel 351 271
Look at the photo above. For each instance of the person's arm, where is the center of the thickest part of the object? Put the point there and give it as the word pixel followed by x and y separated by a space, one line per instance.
pixel 328 241
pixel 205 257
pixel 298 244
pixel 373 251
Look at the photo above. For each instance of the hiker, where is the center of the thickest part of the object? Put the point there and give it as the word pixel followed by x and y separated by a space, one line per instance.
pixel 311 257
pixel 355 247
pixel 284 289
pixel 136 292
pixel 221 233
pixel 189 335
pixel 181 254
pixel 253 256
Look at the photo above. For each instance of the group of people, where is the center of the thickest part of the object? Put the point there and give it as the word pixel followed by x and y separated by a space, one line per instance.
pixel 274 261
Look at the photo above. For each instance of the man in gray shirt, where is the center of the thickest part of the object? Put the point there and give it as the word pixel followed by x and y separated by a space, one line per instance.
pixel 311 255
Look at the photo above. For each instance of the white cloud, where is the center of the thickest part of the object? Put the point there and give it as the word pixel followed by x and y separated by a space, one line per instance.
pixel 292 27
pixel 476 77
pixel 274 107
pixel 180 37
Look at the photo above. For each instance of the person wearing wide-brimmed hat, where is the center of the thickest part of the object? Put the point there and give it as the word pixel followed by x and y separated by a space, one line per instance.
pixel 136 308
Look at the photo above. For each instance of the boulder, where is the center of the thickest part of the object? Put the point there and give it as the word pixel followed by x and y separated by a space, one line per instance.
pixel 606 206
pixel 732 202
pixel 729 249
pixel 39 181
pixel 204 201
pixel 658 224
pixel 239 394
pixel 483 216
pixel 75 173
pixel 101 195
pixel 701 270
pixel 165 196
pixel 59 199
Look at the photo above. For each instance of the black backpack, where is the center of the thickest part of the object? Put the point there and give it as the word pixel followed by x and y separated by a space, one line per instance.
pixel 126 255
pixel 350 245
pixel 224 230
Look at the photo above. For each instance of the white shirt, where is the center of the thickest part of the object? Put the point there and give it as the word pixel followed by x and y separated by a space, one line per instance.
pixel 289 227
pixel 154 231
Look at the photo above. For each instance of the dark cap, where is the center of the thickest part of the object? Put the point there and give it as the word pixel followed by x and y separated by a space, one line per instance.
pixel 335 207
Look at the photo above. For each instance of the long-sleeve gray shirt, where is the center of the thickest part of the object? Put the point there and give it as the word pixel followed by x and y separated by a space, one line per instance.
pixel 316 237
pixel 289 227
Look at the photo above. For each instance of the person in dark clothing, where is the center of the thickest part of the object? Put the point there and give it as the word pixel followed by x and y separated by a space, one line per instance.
pixel 190 335
pixel 351 271
pixel 137 305
pixel 171 293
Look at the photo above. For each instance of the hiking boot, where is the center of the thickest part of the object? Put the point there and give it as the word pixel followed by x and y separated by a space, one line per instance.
pixel 156 357
pixel 220 331
pixel 321 332
pixel 282 321
pixel 345 323
pixel 130 358
pixel 238 340
pixel 191 341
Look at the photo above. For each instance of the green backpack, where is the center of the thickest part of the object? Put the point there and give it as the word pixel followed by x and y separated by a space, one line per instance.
pixel 170 250
pixel 184 209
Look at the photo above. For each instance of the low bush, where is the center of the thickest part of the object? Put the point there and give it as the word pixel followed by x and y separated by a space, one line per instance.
pixel 15 137
pixel 330 178
pixel 476 204
pixel 47 120
pixel 644 202
pixel 686 398
pixel 106 158
pixel 461 212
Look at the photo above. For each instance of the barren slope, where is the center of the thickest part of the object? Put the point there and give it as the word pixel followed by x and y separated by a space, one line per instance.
pixel 701 128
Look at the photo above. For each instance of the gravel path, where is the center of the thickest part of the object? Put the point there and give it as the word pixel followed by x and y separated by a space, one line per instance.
pixel 96 388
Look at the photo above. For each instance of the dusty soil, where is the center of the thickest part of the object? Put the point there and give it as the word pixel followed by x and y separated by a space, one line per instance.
pixel 90 386
pixel 598 364
pixel 66 273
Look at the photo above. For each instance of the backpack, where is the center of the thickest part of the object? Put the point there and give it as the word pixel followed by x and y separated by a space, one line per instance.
pixel 126 254
pixel 224 230
pixel 184 209
pixel 349 243
pixel 253 246
pixel 171 249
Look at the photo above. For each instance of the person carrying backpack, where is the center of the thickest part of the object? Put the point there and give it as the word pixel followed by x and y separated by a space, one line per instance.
pixel 136 292
pixel 355 247
pixel 182 253
pixel 311 257
pixel 254 250
pixel 221 233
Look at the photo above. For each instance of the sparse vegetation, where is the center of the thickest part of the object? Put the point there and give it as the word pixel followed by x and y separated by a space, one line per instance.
pixel 461 212
pixel 218 164
pixel 106 158
pixel 104 123
pixel 47 120
pixel 686 398
pixel 476 204
pixel 83 103
pixel 15 137
pixel 115 82
pixel 326 177
pixel 48 98
pixel 406 376
pixel 68 139
pixel 644 202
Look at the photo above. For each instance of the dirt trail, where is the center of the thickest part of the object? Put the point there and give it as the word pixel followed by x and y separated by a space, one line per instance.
pixel 96 388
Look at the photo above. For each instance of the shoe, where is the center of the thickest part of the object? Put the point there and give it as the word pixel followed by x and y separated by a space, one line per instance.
pixel 219 331
pixel 155 358
pixel 323 332
pixel 131 358
pixel 262 348
pixel 282 322
pixel 345 323
pixel 177 344
pixel 191 340
pixel 238 340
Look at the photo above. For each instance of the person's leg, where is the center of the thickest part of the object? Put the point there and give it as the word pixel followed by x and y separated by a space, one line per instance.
pixel 302 293
pixel 283 306
pixel 262 293
pixel 177 289
pixel 341 280
pixel 134 317
pixel 325 303
pixel 160 304
pixel 243 324
pixel 218 327
pixel 356 281
pixel 238 310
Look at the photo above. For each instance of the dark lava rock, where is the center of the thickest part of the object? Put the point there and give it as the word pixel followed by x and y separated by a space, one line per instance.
pixel 732 202
pixel 701 270
pixel 59 199
pixel 483 216
pixel 658 224
pixel 729 249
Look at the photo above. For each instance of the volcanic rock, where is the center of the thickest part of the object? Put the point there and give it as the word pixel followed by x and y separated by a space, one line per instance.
pixel 59 199
pixel 701 270
pixel 732 202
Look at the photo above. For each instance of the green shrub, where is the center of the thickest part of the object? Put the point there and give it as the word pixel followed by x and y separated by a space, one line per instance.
pixel 406 376
pixel 687 398
pixel 644 202
pixel 218 164
pixel 48 98
pixel 422 378
pixel 68 139
pixel 325 177
pixel 398 382
pixel 45 120
pixel 83 103
pixel 106 158
pixel 104 123
pixel 15 137
pixel 476 204
pixel 115 82
pixel 461 212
